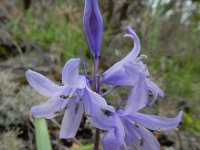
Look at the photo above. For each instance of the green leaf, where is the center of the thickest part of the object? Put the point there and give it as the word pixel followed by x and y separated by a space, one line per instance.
pixel 42 135
pixel 86 147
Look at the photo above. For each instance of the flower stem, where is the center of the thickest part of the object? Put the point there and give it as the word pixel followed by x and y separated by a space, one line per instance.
pixel 109 91
pixel 95 76
pixel 97 139
pixel 121 103
pixel 96 89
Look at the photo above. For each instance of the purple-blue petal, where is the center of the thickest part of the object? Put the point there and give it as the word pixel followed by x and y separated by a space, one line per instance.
pixel 157 123
pixel 147 142
pixel 96 120
pixel 115 139
pixel 94 102
pixel 136 49
pixel 43 85
pixel 70 74
pixel 130 132
pixel 94 106
pixel 138 98
pixel 93 26
pixel 49 109
pixel 155 90
pixel 109 141
pixel 134 68
pixel 71 120
pixel 117 75
pixel 119 131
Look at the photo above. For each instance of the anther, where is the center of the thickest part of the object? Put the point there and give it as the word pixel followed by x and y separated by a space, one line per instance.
pixel 142 142
pixel 143 57
pixel 68 96
pixel 64 96
pixel 57 112
pixel 137 126
pixel 76 108
pixel 88 115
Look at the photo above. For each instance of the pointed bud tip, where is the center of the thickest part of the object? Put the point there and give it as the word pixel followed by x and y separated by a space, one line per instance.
pixel 93 26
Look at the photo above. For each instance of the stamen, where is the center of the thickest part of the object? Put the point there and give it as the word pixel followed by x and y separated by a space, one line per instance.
pixel 107 113
pixel 145 67
pixel 142 57
pixel 73 95
pixel 88 115
pixel 64 96
pixel 142 142
pixel 68 96
pixel 57 112
pixel 137 126
pixel 157 134
pixel 76 109
pixel 66 107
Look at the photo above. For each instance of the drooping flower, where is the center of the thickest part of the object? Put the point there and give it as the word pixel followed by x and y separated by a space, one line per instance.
pixel 93 26
pixel 125 72
pixel 128 128
pixel 71 98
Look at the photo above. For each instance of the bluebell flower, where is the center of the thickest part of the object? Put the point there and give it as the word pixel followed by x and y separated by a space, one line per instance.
pixel 93 26
pixel 74 97
pixel 124 72
pixel 128 128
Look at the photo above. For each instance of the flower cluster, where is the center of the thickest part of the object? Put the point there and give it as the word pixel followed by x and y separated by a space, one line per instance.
pixel 126 128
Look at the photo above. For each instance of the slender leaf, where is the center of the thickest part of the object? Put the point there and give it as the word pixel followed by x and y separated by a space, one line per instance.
pixel 42 135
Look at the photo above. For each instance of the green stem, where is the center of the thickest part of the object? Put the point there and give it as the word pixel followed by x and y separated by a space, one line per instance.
pixel 42 135
pixel 96 89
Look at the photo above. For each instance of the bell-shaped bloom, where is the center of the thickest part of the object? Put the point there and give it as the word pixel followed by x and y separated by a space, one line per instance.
pixel 125 72
pixel 93 26
pixel 128 128
pixel 71 98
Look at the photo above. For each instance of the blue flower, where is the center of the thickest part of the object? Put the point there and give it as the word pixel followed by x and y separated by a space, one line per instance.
pixel 128 128
pixel 93 26
pixel 125 72
pixel 74 97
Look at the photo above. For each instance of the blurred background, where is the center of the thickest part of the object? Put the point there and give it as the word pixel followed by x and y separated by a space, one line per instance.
pixel 44 34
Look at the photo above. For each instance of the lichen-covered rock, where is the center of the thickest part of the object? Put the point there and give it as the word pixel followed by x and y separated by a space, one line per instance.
pixel 9 141
pixel 15 100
